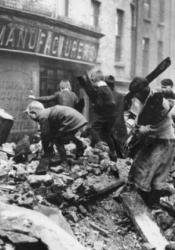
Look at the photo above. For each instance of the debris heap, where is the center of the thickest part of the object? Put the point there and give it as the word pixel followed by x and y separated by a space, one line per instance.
pixel 85 191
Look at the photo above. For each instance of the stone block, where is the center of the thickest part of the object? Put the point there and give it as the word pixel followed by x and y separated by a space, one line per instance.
pixel 93 158
pixel 35 180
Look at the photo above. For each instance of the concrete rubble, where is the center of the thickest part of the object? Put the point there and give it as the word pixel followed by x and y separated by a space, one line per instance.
pixel 86 192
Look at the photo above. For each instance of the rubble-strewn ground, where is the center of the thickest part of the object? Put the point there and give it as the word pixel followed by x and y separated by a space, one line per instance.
pixel 106 226
pixel 98 220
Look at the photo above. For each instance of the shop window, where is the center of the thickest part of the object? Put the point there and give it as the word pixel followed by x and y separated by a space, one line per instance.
pixel 160 51
pixel 145 58
pixel 161 11
pixel 96 12
pixel 147 9
pixel 48 81
pixel 50 78
pixel 119 34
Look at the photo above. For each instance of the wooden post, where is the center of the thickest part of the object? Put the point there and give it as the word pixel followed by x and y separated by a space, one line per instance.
pixel 142 219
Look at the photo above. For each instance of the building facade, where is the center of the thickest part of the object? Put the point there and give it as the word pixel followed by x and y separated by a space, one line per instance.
pixel 115 53
pixel 39 46
pixel 154 37
pixel 44 41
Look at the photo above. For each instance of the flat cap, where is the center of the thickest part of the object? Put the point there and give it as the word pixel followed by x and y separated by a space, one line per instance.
pixel 167 82
pixel 138 84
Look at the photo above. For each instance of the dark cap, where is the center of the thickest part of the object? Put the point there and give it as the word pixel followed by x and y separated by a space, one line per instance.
pixel 110 79
pixel 167 82
pixel 138 84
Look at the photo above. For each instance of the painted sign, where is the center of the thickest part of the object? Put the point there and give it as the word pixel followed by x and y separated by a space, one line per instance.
pixel 35 40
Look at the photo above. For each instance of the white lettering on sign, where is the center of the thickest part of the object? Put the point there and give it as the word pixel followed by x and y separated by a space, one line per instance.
pixel 11 38
pixel 32 39
pixel 40 41
pixel 22 37
pixel 46 42
pixel 54 45
pixel 2 34
pixel 47 47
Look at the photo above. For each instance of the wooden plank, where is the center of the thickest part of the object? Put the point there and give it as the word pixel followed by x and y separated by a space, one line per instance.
pixel 161 67
pixel 143 220
pixel 99 190
pixel 99 228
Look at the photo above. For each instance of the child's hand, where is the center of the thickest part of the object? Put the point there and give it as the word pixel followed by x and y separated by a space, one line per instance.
pixel 32 97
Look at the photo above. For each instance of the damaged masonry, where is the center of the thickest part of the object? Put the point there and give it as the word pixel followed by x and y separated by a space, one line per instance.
pixel 73 192
pixel 80 200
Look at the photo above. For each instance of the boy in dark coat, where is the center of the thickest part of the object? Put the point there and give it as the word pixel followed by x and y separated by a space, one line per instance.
pixel 65 97
pixel 58 125
pixel 119 132
pixel 103 103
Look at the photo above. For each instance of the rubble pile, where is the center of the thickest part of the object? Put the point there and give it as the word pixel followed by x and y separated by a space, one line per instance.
pixel 76 182
pixel 86 191
pixel 105 225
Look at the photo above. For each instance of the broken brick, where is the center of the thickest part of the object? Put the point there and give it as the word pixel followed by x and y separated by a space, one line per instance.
pixel 35 180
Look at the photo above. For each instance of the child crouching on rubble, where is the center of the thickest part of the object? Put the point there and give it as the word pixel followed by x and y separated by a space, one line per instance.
pixel 58 125
pixel 155 151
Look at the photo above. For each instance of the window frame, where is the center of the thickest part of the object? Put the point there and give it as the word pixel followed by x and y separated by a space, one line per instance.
pixel 119 35
pixel 161 11
pixel 96 5
pixel 147 13
pixel 145 55
pixel 160 47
